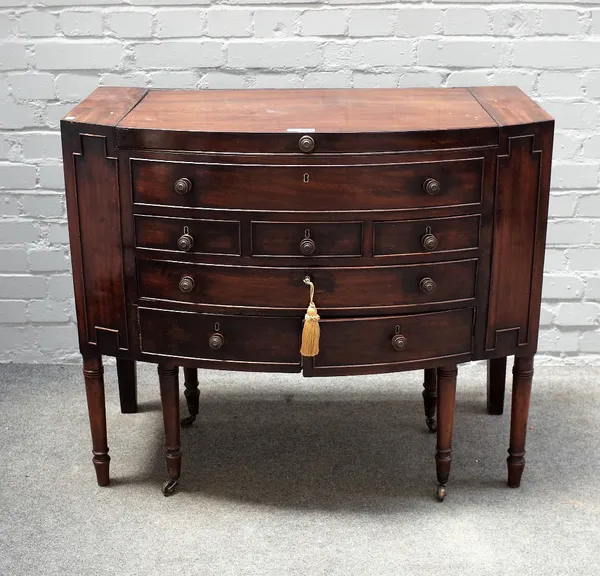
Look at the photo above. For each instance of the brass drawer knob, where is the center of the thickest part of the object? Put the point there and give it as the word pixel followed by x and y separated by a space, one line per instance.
pixel 306 144
pixel 431 186
pixel 427 285
pixel 307 245
pixel 182 186
pixel 186 284
pixel 216 341
pixel 399 342
pixel 185 241
pixel 429 241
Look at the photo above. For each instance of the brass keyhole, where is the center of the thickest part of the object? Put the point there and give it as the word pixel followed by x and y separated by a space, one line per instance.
pixel 217 327
pixel 306 178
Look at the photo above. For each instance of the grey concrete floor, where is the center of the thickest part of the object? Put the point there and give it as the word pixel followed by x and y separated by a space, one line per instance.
pixel 284 475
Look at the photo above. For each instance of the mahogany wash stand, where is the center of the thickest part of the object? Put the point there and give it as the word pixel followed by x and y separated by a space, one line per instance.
pixel 419 215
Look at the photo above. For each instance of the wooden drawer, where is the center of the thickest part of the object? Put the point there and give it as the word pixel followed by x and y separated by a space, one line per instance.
pixel 253 339
pixel 422 236
pixel 308 188
pixel 283 288
pixel 207 236
pixel 306 239
pixel 392 340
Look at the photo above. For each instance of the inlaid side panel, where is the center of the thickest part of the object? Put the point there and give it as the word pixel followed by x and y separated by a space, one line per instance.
pixel 519 233
pixel 95 228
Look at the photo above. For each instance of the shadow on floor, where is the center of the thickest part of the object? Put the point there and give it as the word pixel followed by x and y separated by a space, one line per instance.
pixel 317 454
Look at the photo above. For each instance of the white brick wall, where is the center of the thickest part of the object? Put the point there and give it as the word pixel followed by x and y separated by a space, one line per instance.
pixel 53 53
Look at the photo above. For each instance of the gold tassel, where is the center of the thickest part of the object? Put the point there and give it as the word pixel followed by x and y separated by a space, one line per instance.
pixel 311 330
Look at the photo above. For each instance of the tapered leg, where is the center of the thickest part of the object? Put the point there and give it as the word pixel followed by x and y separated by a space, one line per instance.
pixel 429 397
pixel 169 395
pixel 192 395
pixel 446 395
pixel 521 395
pixel 126 373
pixel 93 374
pixel 495 385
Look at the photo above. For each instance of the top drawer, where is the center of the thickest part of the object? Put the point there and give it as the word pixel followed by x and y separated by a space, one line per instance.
pixel 308 188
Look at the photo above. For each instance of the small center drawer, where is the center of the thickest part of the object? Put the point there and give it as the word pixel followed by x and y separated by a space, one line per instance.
pixel 283 288
pixel 308 188
pixel 392 340
pixel 187 235
pixel 249 339
pixel 306 239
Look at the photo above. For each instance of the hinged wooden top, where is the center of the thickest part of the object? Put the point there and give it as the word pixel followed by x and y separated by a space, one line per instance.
pixel 336 110
pixel 183 119
pixel 302 111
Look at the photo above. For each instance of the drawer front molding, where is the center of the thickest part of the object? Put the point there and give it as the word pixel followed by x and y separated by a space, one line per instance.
pixel 221 338
pixel 377 344
pixel 426 236
pixel 283 288
pixel 309 188
pixel 307 239
pixel 219 237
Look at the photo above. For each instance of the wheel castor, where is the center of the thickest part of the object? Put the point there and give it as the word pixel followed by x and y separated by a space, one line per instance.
pixel 187 421
pixel 431 424
pixel 441 492
pixel 169 487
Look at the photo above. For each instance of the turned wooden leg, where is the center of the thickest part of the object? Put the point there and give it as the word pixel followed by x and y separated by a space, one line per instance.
pixel 93 374
pixel 192 395
pixel 521 394
pixel 429 397
pixel 169 395
pixel 446 395
pixel 126 373
pixel 495 385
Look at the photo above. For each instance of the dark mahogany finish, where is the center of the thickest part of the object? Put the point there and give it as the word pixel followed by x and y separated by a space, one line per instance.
pixel 373 287
pixel 303 239
pixel 168 377
pixel 252 340
pixel 207 236
pixel 365 345
pixel 127 375
pixel 496 385
pixel 446 395
pixel 192 396
pixel 521 394
pixel 433 235
pixel 419 215
pixel 308 188
pixel 430 397
pixel 93 374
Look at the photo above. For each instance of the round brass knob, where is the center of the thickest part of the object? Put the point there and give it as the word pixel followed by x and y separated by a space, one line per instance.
pixel 399 342
pixel 429 241
pixel 427 285
pixel 185 242
pixel 182 186
pixel 431 186
pixel 307 246
pixel 216 341
pixel 186 284
pixel 306 144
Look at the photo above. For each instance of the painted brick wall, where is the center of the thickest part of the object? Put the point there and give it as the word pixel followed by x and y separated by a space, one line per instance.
pixel 53 53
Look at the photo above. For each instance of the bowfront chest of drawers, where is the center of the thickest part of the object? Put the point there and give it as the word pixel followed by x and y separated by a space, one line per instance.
pixel 197 217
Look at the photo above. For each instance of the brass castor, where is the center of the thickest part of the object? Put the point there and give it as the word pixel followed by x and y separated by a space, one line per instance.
pixel 431 424
pixel 187 421
pixel 441 492
pixel 169 487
